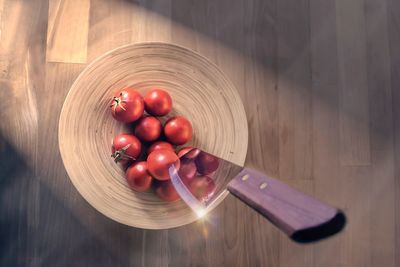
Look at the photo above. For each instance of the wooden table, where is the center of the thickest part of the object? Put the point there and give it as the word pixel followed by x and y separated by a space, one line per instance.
pixel 320 83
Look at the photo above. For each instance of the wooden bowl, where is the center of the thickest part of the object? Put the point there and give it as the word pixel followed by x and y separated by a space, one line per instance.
pixel 200 91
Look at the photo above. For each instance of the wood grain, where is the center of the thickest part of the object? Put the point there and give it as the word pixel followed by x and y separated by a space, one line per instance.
pixel 260 91
pixel 352 45
pixel 153 26
pixel 110 26
pixel 88 133
pixel 381 133
pixel 328 183
pixel 354 116
pixel 67 31
pixel 394 47
pixel 294 98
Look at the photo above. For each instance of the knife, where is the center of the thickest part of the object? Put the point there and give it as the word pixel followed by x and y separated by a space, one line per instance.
pixel 202 181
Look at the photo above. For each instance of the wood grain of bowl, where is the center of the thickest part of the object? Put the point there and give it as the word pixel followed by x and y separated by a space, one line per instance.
pixel 200 91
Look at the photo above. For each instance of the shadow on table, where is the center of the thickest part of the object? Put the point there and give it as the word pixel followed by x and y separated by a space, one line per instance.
pixel 38 229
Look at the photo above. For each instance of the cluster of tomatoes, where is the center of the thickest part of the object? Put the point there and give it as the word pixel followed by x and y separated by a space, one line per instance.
pixel 148 153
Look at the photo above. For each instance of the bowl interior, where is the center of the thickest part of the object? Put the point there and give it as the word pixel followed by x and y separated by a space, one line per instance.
pixel 200 91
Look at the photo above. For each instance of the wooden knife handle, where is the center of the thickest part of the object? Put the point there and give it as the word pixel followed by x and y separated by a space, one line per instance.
pixel 303 218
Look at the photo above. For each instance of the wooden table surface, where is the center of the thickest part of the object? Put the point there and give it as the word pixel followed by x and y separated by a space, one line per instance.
pixel 320 81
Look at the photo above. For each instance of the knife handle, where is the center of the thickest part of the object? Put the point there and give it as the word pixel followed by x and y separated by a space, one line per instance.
pixel 301 217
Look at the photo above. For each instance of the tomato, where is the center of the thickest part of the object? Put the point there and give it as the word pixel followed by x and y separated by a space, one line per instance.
pixel 148 129
pixel 178 130
pixel 187 169
pixel 127 105
pixel 166 191
pixel 160 145
pixel 188 152
pixel 206 163
pixel 159 161
pixel 158 102
pixel 138 177
pixel 202 187
pixel 125 148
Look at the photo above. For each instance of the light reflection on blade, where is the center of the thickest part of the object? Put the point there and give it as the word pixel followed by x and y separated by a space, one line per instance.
pixel 185 194
pixel 203 188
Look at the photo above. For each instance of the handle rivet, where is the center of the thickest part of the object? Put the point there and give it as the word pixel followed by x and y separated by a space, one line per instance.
pixel 263 185
pixel 245 177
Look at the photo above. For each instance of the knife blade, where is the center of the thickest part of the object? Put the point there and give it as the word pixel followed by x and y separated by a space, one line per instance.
pixel 204 179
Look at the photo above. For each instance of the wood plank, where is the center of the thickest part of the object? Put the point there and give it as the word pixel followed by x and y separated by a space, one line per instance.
pixel 381 135
pixel 354 119
pixel 354 130
pixel 110 25
pixel 294 90
pixel 394 46
pixel 222 244
pixel 179 248
pixel 248 59
pixel 382 209
pixel 194 27
pixel 67 34
pixel 328 185
pixel 260 237
pixel 357 235
pixel 155 251
pixel 15 232
pixel 18 55
pixel 260 97
pixel 152 21
pixel 22 57
pixel 259 92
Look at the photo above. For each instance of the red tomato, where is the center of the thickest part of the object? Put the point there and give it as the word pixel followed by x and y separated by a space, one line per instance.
pixel 188 155
pixel 125 148
pixel 178 130
pixel 160 145
pixel 158 102
pixel 127 105
pixel 137 176
pixel 148 129
pixel 206 163
pixel 187 169
pixel 166 191
pixel 159 161
pixel 202 187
